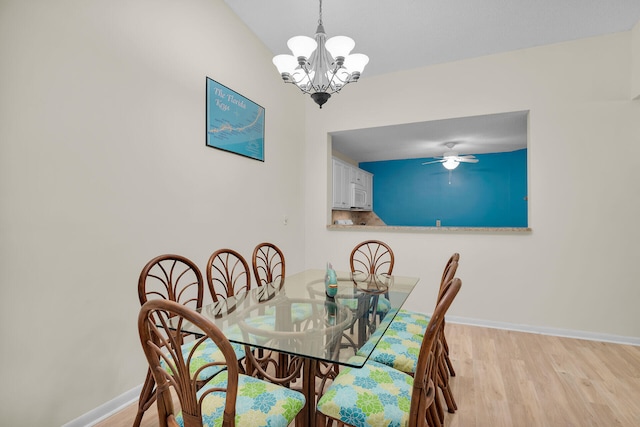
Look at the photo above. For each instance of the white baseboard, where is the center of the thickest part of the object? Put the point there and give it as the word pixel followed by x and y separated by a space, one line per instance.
pixel 107 409
pixel 567 333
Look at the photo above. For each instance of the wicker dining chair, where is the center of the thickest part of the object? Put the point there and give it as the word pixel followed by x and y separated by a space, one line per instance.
pixel 372 257
pixel 228 274
pixel 174 278
pixel 399 345
pixel 170 277
pixel 389 394
pixel 445 350
pixel 228 398
pixel 268 264
pixel 421 319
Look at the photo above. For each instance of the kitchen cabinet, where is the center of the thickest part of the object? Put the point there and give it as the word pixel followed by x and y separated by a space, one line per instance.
pixel 345 177
pixel 368 187
pixel 341 183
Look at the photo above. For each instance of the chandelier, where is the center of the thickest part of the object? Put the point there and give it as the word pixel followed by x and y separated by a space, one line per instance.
pixel 319 66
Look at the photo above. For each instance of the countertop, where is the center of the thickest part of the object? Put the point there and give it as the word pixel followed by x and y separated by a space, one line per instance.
pixel 393 228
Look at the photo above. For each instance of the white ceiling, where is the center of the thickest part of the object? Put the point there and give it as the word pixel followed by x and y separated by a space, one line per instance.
pixel 404 34
pixel 491 133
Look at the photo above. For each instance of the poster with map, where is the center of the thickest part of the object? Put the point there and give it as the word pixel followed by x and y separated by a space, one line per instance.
pixel 234 123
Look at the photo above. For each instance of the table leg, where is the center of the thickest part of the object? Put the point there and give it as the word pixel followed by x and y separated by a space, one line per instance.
pixel 363 320
pixel 307 416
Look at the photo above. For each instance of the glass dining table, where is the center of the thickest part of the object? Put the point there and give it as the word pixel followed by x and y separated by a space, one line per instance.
pixel 297 336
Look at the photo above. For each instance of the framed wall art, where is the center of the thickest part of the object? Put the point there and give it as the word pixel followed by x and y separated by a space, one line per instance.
pixel 234 123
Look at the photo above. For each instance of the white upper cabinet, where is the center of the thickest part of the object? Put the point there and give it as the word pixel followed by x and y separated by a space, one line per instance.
pixel 368 186
pixel 351 186
pixel 340 185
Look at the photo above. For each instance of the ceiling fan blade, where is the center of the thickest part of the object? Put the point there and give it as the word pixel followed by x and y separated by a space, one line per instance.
pixel 468 159
pixel 434 161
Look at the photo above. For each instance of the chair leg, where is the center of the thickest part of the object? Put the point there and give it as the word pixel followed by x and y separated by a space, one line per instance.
pixel 433 417
pixel 146 399
pixel 443 384
pixel 451 403
pixel 437 404
pixel 452 372
pixel 323 421
pixel 164 402
pixel 246 365
pixel 241 367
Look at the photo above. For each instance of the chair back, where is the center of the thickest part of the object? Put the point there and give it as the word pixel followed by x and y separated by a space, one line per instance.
pixel 228 274
pixel 453 258
pixel 449 273
pixel 372 257
pixel 158 322
pixel 171 277
pixel 268 264
pixel 425 378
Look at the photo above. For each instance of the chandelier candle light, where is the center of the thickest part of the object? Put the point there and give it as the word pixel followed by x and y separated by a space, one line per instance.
pixel 318 66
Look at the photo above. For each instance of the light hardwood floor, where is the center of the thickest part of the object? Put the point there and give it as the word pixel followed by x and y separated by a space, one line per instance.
pixel 507 378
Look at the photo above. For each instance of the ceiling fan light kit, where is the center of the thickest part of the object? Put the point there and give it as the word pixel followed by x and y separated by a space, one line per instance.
pixel 320 67
pixel 450 159
pixel 450 164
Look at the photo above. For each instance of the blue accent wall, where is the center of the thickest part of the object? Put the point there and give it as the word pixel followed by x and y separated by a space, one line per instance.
pixel 490 193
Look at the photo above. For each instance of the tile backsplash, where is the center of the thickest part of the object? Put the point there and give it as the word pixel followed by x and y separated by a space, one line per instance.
pixel 358 217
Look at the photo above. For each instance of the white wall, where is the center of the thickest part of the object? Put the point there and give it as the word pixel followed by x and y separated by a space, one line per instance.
pixel 577 270
pixel 635 56
pixel 103 165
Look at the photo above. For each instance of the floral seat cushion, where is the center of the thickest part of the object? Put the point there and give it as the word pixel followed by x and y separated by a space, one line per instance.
pixel 299 311
pixel 374 395
pixel 258 404
pixel 264 323
pixel 410 321
pixel 384 305
pixel 399 345
pixel 397 349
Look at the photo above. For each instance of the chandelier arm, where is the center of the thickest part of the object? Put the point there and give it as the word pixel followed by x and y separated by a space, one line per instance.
pixel 307 72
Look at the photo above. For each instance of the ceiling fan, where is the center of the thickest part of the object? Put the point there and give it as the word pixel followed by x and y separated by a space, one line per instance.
pixel 450 159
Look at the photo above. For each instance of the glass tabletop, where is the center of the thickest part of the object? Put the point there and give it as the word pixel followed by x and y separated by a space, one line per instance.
pixel 298 318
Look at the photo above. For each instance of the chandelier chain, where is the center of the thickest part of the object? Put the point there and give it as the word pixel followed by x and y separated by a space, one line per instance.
pixel 320 14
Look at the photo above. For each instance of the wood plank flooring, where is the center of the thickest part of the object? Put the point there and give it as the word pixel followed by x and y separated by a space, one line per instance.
pixel 507 378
